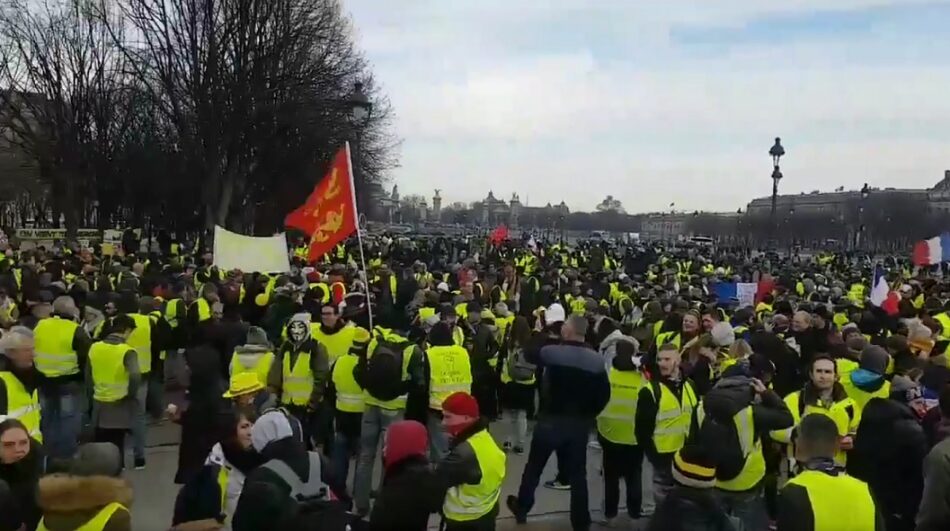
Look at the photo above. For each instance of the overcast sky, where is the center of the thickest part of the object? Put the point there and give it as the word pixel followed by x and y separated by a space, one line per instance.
pixel 660 101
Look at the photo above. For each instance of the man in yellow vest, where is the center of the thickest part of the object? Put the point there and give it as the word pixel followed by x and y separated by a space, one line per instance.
pixel 116 379
pixel 18 380
pixel 61 347
pixel 868 380
pixel 450 371
pixel 741 405
pixel 255 356
pixel 664 409
pixel 334 332
pixel 821 496
pixel 474 469
pixel 346 394
pixel 622 456
pixel 299 374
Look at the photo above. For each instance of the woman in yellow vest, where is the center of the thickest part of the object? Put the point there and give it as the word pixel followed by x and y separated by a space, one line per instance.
pixel 115 379
pixel 474 470
pixel 622 456
pixel 90 496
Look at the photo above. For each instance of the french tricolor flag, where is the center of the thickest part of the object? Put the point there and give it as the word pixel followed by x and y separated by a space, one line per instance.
pixel 881 294
pixel 932 251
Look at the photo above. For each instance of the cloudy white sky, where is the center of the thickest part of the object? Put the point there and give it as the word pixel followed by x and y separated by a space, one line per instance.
pixel 660 101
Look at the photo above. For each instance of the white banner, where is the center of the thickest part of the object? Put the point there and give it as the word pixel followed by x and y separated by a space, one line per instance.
pixel 250 254
pixel 745 292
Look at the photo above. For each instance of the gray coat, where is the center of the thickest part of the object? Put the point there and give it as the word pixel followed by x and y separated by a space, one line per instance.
pixel 119 415
pixel 934 512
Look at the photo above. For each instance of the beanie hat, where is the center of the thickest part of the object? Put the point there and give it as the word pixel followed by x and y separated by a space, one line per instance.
pixel 722 334
pixel 554 314
pixel 404 439
pixel 461 404
pixel 257 336
pixel 693 467
pixel 874 359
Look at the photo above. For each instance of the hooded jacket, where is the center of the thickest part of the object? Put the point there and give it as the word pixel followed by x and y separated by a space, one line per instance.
pixel 70 501
pixel 249 355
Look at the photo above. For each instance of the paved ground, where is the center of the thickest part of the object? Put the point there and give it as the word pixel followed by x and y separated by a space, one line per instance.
pixel 155 490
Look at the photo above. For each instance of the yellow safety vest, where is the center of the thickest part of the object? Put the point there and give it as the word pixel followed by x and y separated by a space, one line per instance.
pixel 109 376
pixel 616 422
pixel 856 295
pixel 751 446
pixel 458 337
pixel 450 371
pixel 425 312
pixel 22 405
pixel 838 503
pixel 944 320
pixel 844 414
pixel 171 312
pixel 578 305
pixel 860 397
pixel 349 394
pixel 141 340
pixel 337 344
pixel 672 417
pixel 54 347
pixel 204 309
pixel 97 522
pixel 297 383
pixel 325 298
pixel 261 367
pixel 675 338
pixel 466 502
pixel 400 401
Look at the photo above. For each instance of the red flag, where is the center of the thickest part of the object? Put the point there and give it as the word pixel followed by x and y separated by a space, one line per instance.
pixel 499 235
pixel 329 214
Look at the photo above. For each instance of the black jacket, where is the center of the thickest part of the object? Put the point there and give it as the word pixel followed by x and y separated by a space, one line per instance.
pixel 574 382
pixel 22 479
pixel 409 494
pixel 889 450
pixel 265 500
pixel 689 509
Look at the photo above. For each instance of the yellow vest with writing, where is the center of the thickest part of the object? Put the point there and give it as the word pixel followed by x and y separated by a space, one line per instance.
pixel 22 405
pixel 349 394
pixel 616 422
pixel 672 417
pixel 261 367
pixel 54 347
pixel 97 522
pixel 466 502
pixel 450 371
pixel 110 378
pixel 838 503
pixel 297 380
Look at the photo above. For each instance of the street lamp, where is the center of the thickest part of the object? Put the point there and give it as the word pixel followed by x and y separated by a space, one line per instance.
pixel 360 110
pixel 776 152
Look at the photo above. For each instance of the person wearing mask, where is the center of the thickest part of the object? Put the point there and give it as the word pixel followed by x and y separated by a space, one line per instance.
pixel 115 376
pixel 88 493
pixel 576 389
pixel 272 492
pixel 255 356
pixel 821 496
pixel 664 410
pixel 822 395
pixel 934 512
pixel 19 380
pixel 690 505
pixel 22 463
pixel 622 456
pixel 300 373
pixel 731 420
pixel 889 450
pixel 410 490
pixel 345 393
pixel 474 470
pixel 212 495
pixel 62 348
pixel 868 380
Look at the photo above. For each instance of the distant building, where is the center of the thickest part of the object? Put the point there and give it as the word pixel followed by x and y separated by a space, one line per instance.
pixel 492 211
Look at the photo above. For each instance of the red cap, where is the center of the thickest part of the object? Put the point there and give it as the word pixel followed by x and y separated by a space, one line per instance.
pixel 461 404
pixel 405 438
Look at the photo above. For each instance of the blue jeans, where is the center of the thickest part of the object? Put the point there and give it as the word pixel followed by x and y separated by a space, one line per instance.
pixel 438 439
pixel 568 437
pixel 375 422
pixel 139 425
pixel 61 423
pixel 343 448
pixel 747 507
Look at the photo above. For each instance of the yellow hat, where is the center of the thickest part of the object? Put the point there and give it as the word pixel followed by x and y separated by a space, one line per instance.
pixel 242 384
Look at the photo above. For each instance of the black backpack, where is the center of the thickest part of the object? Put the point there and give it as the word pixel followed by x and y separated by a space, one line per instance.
pixel 383 376
pixel 310 507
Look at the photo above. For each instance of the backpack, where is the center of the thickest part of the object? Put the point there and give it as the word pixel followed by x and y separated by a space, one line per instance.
pixel 519 369
pixel 311 507
pixel 383 376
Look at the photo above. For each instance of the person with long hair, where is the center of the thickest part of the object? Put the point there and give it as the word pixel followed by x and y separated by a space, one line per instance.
pixel 22 462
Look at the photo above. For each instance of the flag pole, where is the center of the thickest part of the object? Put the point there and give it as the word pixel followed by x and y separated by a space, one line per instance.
pixel 359 236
